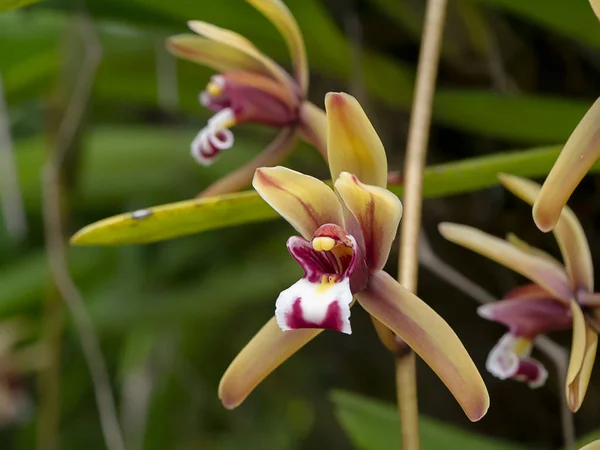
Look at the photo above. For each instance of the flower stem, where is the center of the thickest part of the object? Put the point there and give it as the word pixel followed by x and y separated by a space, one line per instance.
pixel 416 152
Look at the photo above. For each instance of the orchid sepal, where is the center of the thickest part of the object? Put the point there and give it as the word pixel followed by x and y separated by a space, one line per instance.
pixel 430 337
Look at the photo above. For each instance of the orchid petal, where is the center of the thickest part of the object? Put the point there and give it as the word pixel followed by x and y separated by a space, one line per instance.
pixel 279 14
pixel 378 213
pixel 430 337
pixel 305 202
pixel 577 156
pixel 509 359
pixel 596 444
pixel 352 143
pixel 267 350
pixel 272 155
pixel 546 274
pixel 216 55
pixel 583 354
pixel 321 305
pixel 521 244
pixel 528 316
pixel 240 43
pixel 568 232
pixel 596 7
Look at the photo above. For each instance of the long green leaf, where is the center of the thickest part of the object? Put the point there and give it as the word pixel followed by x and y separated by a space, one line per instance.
pixel 574 19
pixel 194 216
pixel 372 425
pixel 128 74
pixel 6 5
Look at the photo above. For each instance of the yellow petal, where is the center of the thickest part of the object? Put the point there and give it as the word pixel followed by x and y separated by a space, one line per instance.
pixel 579 154
pixel 596 7
pixel 581 362
pixel 279 14
pixel 430 337
pixel 216 55
pixel 267 350
pixel 352 143
pixel 521 244
pixel 305 202
pixel 592 446
pixel 568 232
pixel 543 272
pixel 378 212
pixel 240 43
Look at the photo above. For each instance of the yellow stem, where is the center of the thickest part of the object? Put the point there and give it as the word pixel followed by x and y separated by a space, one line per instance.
pixel 416 152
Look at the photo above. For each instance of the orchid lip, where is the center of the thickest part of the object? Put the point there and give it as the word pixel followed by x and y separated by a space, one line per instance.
pixel 214 138
pixel 509 359
pixel 334 269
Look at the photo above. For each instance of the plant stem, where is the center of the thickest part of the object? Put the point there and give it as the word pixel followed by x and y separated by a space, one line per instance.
pixel 52 204
pixel 416 152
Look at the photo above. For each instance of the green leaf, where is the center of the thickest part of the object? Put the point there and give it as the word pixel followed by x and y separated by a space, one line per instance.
pixel 534 119
pixel 194 216
pixel 6 5
pixel 372 425
pixel 574 19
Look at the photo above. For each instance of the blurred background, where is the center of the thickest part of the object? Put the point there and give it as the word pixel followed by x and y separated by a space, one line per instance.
pixel 514 75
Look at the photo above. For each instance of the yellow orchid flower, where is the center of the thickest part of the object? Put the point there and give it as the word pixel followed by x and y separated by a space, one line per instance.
pixel 346 236
pixel 591 446
pixel 561 297
pixel 251 87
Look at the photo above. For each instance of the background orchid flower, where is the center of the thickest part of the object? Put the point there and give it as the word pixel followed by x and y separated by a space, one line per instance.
pixel 345 241
pixel 579 154
pixel 251 88
pixel 561 297
pixel 15 362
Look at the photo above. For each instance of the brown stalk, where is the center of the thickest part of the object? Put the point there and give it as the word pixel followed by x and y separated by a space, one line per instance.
pixel 416 152
pixel 56 239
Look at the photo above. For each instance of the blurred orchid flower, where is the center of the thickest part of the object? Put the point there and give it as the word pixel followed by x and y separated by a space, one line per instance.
pixel 591 446
pixel 561 297
pixel 15 362
pixel 346 236
pixel 251 88
pixel 577 157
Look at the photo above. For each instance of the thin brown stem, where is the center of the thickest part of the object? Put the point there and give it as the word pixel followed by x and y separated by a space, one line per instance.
pixel 56 239
pixel 416 152
pixel 13 209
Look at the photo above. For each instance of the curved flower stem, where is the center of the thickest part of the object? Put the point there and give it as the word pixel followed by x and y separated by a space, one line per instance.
pixel 416 152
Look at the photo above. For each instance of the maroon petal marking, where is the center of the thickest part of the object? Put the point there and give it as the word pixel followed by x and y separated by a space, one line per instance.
pixel 528 317
pixel 252 97
pixel 332 320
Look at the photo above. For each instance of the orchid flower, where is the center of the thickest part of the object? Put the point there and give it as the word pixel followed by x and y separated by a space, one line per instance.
pixel 345 239
pixel 251 88
pixel 595 445
pixel 14 363
pixel 561 297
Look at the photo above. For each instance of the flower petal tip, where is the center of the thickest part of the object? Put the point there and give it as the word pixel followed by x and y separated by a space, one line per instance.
pixel 486 312
pixel 335 99
pixel 544 220
pixel 477 414
pixel 228 404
